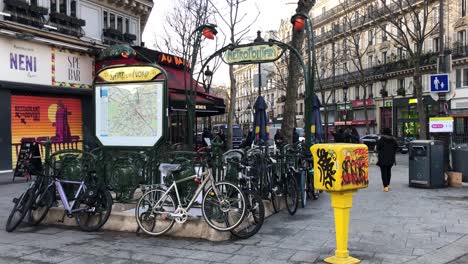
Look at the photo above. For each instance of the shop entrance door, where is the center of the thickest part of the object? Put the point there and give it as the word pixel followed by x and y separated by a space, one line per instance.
pixel 408 129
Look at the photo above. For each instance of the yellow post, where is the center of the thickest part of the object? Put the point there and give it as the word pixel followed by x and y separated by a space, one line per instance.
pixel 341 169
pixel 342 203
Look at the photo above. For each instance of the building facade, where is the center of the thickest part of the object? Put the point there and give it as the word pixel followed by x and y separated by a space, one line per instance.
pixel 378 74
pixel 47 50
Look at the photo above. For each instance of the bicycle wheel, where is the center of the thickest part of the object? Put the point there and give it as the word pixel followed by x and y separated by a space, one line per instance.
pixel 20 209
pixel 93 212
pixel 312 192
pixel 40 206
pixel 225 209
pixel 303 188
pixel 254 216
pixel 153 212
pixel 291 194
pixel 276 194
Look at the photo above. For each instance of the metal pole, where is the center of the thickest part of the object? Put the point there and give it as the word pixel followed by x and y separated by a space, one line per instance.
pixel 309 93
pixel 190 99
pixel 259 80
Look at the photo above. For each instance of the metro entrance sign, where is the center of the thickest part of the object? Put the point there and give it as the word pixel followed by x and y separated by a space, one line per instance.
pixel 245 54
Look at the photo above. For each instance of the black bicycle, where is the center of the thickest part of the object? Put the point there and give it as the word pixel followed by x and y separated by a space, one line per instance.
pixel 255 210
pixel 284 179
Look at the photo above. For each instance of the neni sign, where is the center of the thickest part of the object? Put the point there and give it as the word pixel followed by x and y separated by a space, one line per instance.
pixel 253 53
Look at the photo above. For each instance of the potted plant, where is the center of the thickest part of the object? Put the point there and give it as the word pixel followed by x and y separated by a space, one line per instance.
pixel 401 91
pixel 383 92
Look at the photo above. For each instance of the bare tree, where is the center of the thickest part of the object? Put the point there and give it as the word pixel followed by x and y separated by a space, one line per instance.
pixel 356 48
pixel 294 69
pixel 413 25
pixel 237 30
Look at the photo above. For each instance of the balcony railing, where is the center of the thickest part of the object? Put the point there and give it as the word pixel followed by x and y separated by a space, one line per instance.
pixel 399 65
pixel 67 24
pixel 459 50
pixel 21 12
pixel 114 36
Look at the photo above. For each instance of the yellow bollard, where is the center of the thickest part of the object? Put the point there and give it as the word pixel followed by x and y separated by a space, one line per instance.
pixel 341 169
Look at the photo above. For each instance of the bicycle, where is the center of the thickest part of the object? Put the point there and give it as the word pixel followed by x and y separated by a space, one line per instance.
pixel 223 204
pixel 90 204
pixel 255 214
pixel 306 175
pixel 284 180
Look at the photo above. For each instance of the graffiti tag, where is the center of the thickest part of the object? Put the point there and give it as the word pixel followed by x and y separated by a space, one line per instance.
pixel 355 167
pixel 326 161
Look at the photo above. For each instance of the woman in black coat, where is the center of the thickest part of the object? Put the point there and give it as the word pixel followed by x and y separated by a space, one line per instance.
pixel 386 148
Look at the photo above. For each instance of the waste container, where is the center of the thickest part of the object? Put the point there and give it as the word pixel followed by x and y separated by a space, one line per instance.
pixel 426 164
pixel 459 164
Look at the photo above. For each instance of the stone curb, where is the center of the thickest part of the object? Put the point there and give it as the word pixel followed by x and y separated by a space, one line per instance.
pixel 122 221
pixel 445 254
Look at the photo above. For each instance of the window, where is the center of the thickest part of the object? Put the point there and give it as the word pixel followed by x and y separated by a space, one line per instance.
pixel 369 61
pixel 105 19
pixel 461 78
pixel 67 7
pixel 401 86
pixel 370 37
pixel 120 24
pixel 370 91
pixel 401 53
pixel 463 8
pixel 461 37
pixel 356 92
pixel 435 44
pixel 384 57
pixel 384 33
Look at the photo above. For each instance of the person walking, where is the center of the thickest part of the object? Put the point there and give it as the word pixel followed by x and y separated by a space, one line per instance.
pixel 355 136
pixel 279 139
pixel 338 135
pixel 386 148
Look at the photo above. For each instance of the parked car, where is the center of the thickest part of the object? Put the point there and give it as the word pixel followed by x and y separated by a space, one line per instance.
pixel 370 140
pixel 237 134
pixel 274 128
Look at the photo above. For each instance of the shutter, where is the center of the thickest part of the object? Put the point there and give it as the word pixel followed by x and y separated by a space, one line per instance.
pixel 36 116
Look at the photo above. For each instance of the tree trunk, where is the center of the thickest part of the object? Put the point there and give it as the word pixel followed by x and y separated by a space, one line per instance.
pixel 294 69
pixel 422 114
pixel 232 106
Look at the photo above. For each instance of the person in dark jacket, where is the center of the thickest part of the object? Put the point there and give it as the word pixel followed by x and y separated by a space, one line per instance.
pixel 295 136
pixel 338 136
pixel 279 139
pixel 355 136
pixel 387 147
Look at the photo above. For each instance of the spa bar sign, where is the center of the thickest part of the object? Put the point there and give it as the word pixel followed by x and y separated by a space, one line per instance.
pixel 25 62
pixel 252 53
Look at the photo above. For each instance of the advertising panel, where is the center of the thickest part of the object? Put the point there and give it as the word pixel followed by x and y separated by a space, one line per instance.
pixel 72 69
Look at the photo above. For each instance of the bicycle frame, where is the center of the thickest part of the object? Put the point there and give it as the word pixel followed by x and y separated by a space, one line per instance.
pixel 202 185
pixel 68 206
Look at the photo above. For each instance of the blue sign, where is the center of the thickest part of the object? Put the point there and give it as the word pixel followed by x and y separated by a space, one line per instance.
pixel 439 83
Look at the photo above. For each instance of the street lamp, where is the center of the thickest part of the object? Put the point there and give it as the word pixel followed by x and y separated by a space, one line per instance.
pixel 259 39
pixel 208 31
pixel 345 93
pixel 208 79
pixel 301 21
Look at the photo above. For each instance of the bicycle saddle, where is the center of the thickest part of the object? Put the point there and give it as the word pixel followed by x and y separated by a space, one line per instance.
pixel 167 168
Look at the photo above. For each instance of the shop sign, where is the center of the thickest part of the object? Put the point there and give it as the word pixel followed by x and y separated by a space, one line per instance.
pixel 72 69
pixel 343 123
pixel 413 101
pixel 388 104
pixel 129 74
pixel 171 60
pixel 441 124
pixel 253 53
pixel 360 103
pixel 25 62
pixel 362 122
pixel 342 107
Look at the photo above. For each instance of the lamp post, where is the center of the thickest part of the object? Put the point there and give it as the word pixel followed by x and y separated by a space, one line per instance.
pixel 207 79
pixel 301 21
pixel 345 93
pixel 259 39
pixel 208 31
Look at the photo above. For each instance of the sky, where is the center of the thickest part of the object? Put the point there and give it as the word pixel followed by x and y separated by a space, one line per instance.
pixel 270 14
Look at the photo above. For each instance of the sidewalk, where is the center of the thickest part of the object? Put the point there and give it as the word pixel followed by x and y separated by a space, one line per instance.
pixel 405 225
pixel 7 178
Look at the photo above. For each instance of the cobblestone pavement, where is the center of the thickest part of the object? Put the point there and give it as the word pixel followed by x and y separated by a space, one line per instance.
pixel 403 225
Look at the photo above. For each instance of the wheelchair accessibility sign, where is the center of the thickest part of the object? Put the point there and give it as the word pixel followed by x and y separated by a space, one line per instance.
pixel 439 83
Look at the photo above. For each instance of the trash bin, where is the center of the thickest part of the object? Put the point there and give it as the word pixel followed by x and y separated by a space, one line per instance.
pixel 426 164
pixel 459 164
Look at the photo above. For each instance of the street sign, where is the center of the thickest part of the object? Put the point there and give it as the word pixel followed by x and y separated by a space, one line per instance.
pixel 439 83
pixel 441 124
